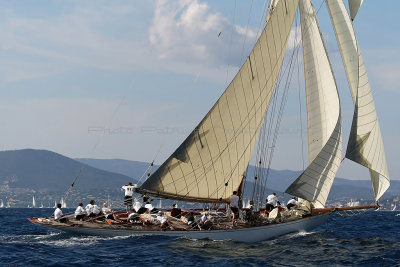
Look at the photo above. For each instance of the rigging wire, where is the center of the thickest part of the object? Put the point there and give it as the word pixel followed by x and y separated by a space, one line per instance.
pixel 230 42
pixel 245 35
pixel 81 169
pixel 267 146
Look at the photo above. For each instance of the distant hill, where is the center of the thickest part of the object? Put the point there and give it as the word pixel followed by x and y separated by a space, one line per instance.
pixel 134 169
pixel 45 170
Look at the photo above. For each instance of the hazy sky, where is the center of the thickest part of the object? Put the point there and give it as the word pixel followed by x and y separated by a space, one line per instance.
pixel 130 79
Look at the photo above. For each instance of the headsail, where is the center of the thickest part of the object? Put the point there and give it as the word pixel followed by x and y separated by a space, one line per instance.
pixel 354 6
pixel 323 115
pixel 210 163
pixel 365 144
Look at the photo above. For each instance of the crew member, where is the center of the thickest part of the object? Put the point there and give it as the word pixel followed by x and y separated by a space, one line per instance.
pixel 272 202
pixel 129 189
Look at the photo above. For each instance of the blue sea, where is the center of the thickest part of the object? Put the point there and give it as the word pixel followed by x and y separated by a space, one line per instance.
pixel 368 239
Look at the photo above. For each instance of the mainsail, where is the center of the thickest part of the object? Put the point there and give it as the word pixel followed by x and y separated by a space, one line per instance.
pixel 211 162
pixel 323 115
pixel 365 144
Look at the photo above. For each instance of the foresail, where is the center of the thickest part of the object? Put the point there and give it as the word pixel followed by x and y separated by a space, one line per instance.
pixel 209 165
pixel 365 144
pixel 354 6
pixel 323 115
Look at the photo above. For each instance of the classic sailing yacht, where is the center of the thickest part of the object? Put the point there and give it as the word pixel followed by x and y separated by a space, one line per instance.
pixel 212 161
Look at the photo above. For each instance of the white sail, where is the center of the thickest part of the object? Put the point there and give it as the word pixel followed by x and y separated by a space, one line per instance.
pixel 354 6
pixel 63 204
pixel 33 202
pixel 365 144
pixel 1 203
pixel 323 115
pixel 55 204
pixel 209 165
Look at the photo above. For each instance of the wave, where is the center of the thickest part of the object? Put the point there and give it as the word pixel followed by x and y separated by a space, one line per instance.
pixel 57 239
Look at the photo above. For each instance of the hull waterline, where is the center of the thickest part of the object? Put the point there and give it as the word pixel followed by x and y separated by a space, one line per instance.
pixel 251 234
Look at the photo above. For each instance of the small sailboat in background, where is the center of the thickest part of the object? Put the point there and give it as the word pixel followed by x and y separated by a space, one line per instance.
pixel 55 204
pixel 33 202
pixel 1 203
pixel 63 203
pixel 394 208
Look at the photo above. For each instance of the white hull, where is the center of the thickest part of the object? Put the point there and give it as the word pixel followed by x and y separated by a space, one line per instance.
pixel 252 234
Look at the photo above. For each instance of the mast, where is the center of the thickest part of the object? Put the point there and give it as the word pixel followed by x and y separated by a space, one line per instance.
pixel 323 115
pixel 209 165
pixel 365 145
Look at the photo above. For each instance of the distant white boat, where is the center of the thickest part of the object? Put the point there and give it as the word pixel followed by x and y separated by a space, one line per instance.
pixel 1 203
pixel 8 205
pixel 394 208
pixel 41 205
pixel 63 204
pixel 55 204
pixel 33 202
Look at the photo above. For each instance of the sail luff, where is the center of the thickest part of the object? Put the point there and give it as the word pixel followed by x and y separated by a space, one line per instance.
pixel 323 115
pixel 210 163
pixel 365 145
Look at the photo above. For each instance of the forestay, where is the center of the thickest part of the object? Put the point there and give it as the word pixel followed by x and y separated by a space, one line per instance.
pixel 211 162
pixel 323 115
pixel 365 144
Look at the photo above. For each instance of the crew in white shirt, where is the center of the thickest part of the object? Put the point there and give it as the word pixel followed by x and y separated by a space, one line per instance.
pixel 148 207
pixel 107 211
pixel 291 203
pixel 137 205
pixel 234 205
pixel 80 212
pixel 163 219
pixel 272 202
pixel 129 190
pixel 92 210
pixel 58 215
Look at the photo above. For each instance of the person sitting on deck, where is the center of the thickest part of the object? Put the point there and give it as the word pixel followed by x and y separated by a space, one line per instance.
pixel 272 202
pixel 163 219
pixel 234 205
pixel 137 207
pixel 58 215
pixel 204 222
pixel 106 211
pixel 250 214
pixel 92 209
pixel 192 221
pixel 150 208
pixel 80 212
pixel 176 212
pixel 291 203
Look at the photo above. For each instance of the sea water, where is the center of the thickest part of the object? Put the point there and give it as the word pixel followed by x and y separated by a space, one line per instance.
pixel 368 239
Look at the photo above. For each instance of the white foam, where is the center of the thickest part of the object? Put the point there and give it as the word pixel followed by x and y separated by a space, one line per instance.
pixel 84 241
